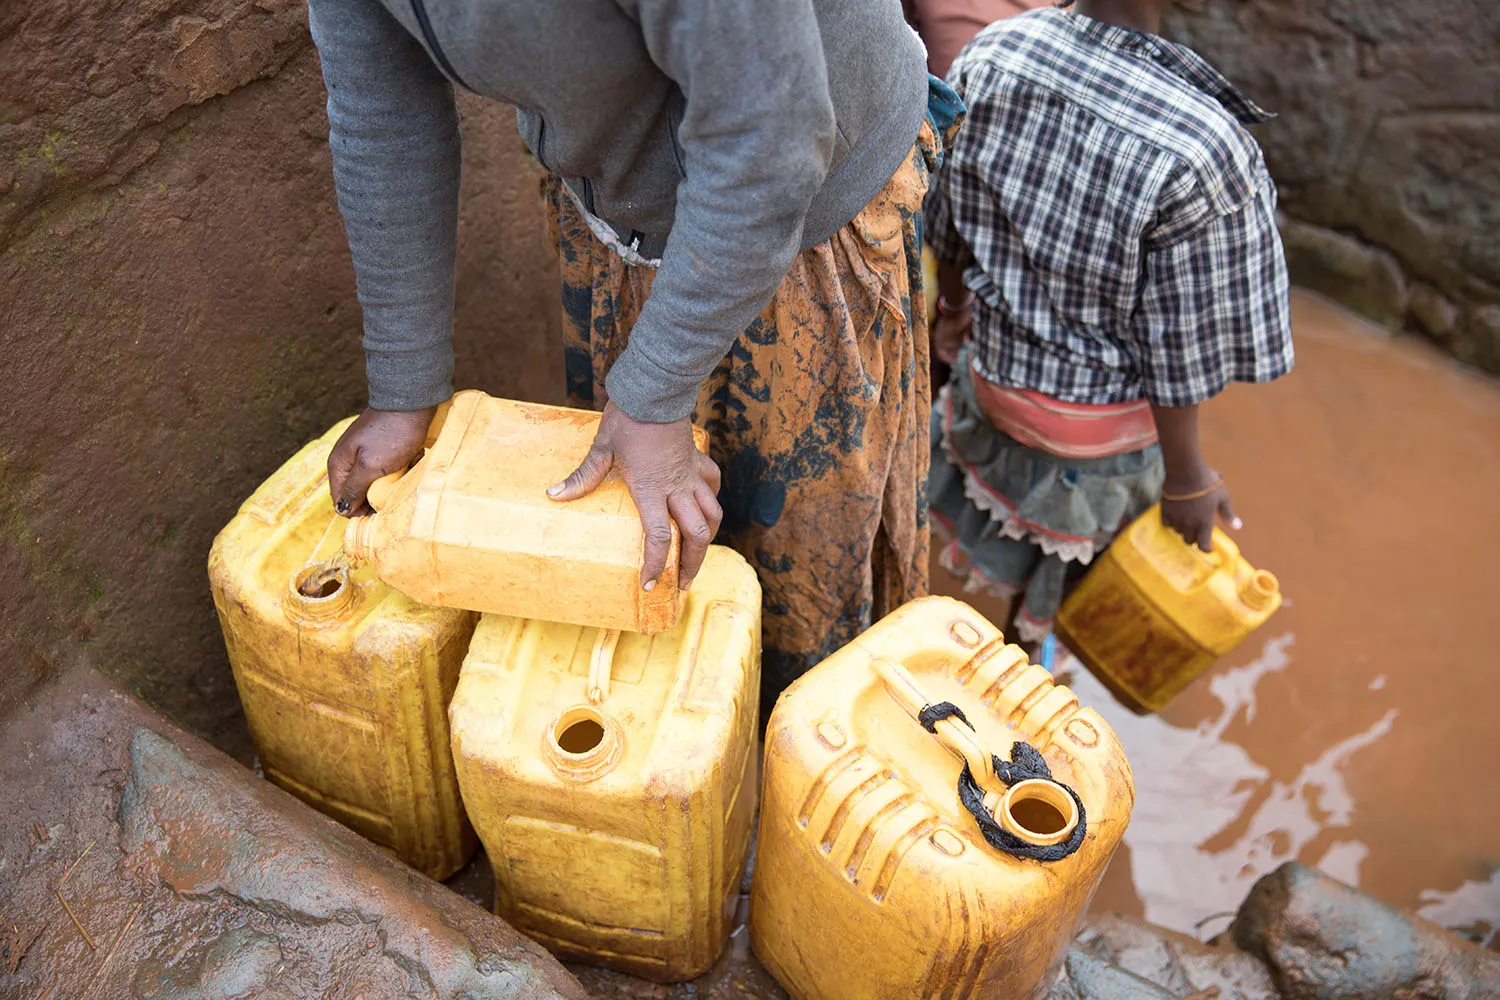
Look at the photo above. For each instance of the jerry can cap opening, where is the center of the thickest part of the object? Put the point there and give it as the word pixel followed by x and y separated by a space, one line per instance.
pixel 1261 590
pixel 583 743
pixel 319 592
pixel 1039 811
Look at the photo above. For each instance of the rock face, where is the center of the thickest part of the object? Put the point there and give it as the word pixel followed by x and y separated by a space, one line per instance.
pixel 1120 958
pixel 141 863
pixel 1388 139
pixel 179 317
pixel 1326 941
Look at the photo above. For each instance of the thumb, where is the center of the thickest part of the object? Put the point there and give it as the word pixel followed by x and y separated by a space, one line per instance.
pixel 586 478
pixel 339 464
pixel 358 474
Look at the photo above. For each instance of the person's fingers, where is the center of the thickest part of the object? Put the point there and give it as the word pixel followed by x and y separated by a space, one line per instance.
pixel 696 534
pixel 362 472
pixel 709 470
pixel 1226 511
pixel 586 478
pixel 708 502
pixel 657 524
pixel 1205 533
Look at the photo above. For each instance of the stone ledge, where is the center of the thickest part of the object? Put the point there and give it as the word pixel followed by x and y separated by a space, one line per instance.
pixel 141 863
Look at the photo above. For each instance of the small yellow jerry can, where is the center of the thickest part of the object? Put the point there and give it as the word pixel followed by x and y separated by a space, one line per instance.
pixel 612 775
pixel 897 861
pixel 344 681
pixel 1155 612
pixel 471 525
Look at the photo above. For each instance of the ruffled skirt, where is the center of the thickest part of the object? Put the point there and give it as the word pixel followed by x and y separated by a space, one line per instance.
pixel 1017 520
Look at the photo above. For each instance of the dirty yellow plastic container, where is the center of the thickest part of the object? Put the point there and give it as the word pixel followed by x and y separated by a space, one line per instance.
pixel 1155 612
pixel 872 880
pixel 612 776
pixel 471 525
pixel 346 691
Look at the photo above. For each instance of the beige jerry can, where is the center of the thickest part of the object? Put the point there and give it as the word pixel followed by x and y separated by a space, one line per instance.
pixel 874 879
pixel 612 776
pixel 346 689
pixel 470 525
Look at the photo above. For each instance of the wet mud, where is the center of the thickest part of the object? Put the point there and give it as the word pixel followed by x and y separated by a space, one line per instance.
pixel 1356 732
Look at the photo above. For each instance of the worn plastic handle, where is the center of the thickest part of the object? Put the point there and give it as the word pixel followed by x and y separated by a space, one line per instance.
pixel 602 663
pixel 1214 559
pixel 957 738
pixel 381 490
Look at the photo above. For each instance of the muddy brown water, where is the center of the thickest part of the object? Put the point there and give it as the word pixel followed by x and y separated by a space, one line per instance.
pixel 1358 732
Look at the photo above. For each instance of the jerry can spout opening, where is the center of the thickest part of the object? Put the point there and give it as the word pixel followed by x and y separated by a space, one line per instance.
pixel 319 592
pixel 1038 811
pixel 583 744
pixel 1260 591
pixel 359 537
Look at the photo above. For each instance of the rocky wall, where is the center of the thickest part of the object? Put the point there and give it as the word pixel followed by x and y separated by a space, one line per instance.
pixel 1386 150
pixel 177 316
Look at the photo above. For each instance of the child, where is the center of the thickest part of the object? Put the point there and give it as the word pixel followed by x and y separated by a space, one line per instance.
pixel 1109 260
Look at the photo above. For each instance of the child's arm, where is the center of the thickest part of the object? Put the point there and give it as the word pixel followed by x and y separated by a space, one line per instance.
pixel 954 319
pixel 1214 310
pixel 1189 476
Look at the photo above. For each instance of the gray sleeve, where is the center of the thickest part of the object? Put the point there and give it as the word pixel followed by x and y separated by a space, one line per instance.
pixel 393 130
pixel 757 137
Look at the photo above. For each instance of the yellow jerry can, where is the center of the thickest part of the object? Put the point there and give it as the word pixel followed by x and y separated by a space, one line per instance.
pixel 874 878
pixel 471 525
pixel 345 682
pixel 1155 612
pixel 612 776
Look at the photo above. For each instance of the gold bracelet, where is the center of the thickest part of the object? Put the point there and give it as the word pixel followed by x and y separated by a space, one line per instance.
pixel 1199 495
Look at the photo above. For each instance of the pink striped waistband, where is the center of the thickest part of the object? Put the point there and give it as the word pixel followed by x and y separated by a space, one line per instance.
pixel 1068 430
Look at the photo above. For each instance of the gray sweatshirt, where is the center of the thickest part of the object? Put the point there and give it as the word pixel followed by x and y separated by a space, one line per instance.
pixel 723 136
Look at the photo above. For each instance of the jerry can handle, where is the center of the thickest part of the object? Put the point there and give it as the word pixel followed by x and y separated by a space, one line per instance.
pixel 380 490
pixel 601 664
pixel 957 738
pixel 1214 557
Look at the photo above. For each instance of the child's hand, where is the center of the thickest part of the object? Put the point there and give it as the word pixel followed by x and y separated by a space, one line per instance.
pixel 948 335
pixel 377 443
pixel 1194 519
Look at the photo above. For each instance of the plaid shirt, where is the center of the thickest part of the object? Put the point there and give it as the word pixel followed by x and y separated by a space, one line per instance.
pixel 1114 217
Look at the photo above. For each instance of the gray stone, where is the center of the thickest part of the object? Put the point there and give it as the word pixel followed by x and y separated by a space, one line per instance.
pixel 191 879
pixel 1480 345
pixel 1326 941
pixel 240 964
pixel 1176 962
pixel 1435 313
pixel 1088 978
pixel 1352 273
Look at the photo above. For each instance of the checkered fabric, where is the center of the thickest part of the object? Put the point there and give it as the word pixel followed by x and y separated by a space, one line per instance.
pixel 1114 217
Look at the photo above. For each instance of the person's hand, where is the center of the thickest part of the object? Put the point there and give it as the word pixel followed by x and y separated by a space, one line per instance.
pixel 669 479
pixel 377 443
pixel 949 332
pixel 1193 518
